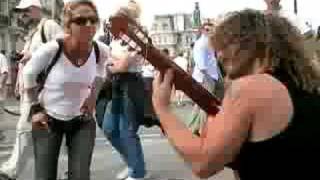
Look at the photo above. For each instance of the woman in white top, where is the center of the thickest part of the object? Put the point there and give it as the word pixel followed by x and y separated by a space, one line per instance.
pixel 68 97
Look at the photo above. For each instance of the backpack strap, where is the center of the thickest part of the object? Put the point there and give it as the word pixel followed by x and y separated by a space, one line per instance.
pixel 96 51
pixel 44 74
pixel 43 35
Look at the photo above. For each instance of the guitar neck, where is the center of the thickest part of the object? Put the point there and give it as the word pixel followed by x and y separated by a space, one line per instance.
pixel 183 81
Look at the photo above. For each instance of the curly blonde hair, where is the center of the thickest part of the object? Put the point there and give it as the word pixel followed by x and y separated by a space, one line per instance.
pixel 271 38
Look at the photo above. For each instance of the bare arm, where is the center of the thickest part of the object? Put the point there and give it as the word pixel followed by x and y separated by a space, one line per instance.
pixel 38 62
pixel 223 136
pixel 120 65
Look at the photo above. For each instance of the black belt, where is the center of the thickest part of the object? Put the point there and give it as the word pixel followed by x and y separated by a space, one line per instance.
pixel 125 76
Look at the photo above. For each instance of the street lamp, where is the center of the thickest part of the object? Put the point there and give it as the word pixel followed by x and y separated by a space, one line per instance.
pixel 295 7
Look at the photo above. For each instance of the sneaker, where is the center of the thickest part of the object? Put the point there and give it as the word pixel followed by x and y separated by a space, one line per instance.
pixel 4 176
pixel 64 176
pixel 147 176
pixel 123 174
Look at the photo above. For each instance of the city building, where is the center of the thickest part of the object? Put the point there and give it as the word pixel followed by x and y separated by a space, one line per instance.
pixel 9 30
pixel 174 32
pixel 177 32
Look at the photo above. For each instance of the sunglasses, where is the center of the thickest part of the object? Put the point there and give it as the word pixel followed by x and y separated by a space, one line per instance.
pixel 83 21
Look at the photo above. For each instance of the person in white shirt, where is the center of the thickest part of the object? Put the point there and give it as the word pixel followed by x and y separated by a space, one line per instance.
pixel 148 72
pixel 206 72
pixel 66 104
pixel 4 71
pixel 182 62
pixel 125 112
pixel 44 31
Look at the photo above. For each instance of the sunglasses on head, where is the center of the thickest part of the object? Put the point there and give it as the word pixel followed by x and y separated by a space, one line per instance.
pixel 83 21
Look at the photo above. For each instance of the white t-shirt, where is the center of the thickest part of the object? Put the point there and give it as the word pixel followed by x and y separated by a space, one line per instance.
pixel 204 59
pixel 121 52
pixel 67 86
pixel 148 71
pixel 4 64
pixel 181 62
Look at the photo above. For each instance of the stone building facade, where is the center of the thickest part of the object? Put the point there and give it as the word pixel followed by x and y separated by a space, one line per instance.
pixel 174 32
pixel 9 30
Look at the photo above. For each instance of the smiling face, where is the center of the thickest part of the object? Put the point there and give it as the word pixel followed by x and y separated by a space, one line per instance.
pixel 82 22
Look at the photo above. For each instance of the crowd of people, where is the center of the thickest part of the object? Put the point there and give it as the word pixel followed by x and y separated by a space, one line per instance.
pixel 253 61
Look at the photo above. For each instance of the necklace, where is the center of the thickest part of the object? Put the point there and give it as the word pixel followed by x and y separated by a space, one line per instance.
pixel 80 61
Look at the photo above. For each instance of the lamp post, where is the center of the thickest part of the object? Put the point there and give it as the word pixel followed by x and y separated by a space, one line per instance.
pixel 295 7
pixel 53 9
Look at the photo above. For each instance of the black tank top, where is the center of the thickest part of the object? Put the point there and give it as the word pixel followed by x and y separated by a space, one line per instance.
pixel 293 153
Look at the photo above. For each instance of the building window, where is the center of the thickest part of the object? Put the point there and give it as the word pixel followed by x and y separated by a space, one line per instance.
pixel 165 27
pixel 155 27
pixel 164 40
pixel 3 7
pixel 187 39
pixel 2 42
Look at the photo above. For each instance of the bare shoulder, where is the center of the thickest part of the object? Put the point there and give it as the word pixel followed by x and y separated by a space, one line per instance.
pixel 256 87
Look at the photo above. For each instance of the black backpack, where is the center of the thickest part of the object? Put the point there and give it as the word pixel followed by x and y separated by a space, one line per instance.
pixel 43 36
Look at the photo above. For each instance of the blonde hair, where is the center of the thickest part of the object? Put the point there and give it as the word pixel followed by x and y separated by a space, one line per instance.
pixel 271 38
pixel 68 12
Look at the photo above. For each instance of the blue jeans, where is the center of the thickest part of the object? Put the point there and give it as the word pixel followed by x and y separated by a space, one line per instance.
pixel 122 133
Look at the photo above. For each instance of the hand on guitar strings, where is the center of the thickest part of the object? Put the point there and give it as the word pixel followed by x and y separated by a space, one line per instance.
pixel 162 88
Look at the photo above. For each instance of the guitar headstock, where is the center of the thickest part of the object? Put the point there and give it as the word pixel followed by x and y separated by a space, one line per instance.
pixel 129 31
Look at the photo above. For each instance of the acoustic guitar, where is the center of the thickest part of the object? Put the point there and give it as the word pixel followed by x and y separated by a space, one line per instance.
pixel 127 29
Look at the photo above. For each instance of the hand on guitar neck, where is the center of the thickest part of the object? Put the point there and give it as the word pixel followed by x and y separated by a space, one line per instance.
pixel 128 30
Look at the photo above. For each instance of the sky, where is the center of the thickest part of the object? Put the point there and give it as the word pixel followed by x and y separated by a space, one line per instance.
pixel 307 9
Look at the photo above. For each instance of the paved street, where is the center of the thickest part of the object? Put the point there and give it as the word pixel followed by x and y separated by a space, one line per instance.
pixel 162 161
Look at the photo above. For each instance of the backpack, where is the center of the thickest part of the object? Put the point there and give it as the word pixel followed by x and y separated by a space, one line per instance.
pixel 43 35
